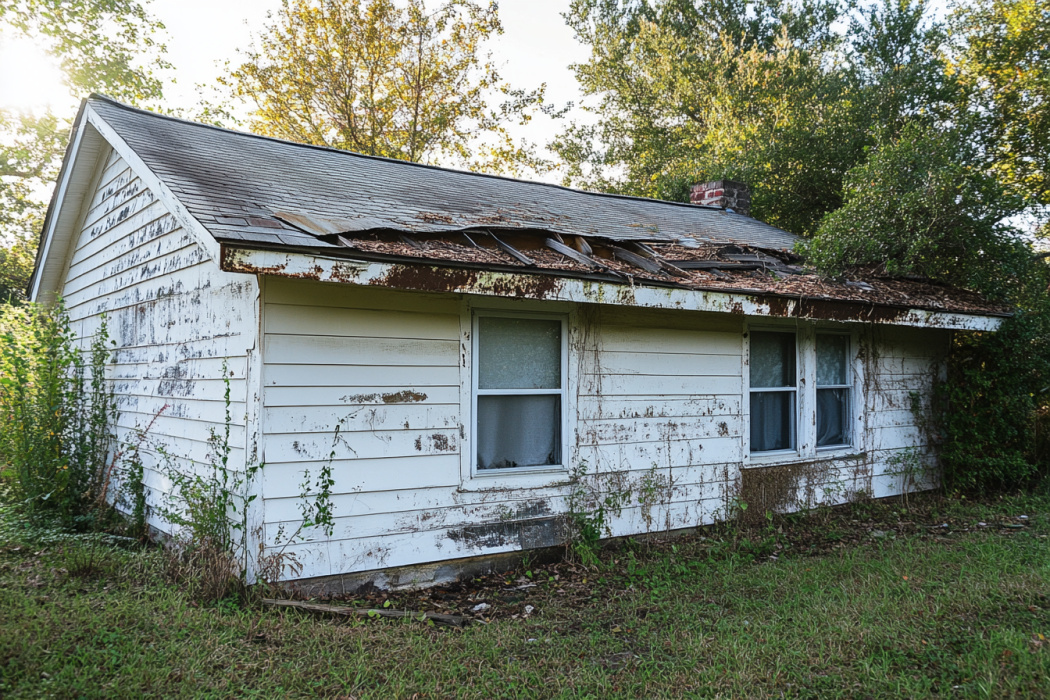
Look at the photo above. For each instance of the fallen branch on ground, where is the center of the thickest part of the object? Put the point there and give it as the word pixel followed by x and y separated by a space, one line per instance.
pixel 453 620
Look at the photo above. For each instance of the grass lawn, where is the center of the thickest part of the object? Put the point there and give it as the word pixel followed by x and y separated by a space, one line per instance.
pixel 877 600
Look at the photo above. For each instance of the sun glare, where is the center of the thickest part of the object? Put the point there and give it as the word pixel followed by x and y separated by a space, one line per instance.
pixel 30 79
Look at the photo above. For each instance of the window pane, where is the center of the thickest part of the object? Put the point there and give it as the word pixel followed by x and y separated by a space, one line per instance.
pixel 518 431
pixel 772 359
pixel 832 354
pixel 519 353
pixel 832 417
pixel 772 421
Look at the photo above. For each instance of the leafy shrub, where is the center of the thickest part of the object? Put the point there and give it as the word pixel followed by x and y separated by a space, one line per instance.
pixel 990 403
pixel 57 412
pixel 920 206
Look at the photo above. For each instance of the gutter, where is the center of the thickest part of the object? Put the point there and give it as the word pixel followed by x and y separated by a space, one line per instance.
pixel 327 265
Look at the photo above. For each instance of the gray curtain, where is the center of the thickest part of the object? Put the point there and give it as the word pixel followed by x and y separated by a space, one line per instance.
pixel 518 431
pixel 832 417
pixel 772 421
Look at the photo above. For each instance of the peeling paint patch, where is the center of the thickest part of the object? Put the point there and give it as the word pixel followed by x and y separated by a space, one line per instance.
pixel 397 397
pixel 523 534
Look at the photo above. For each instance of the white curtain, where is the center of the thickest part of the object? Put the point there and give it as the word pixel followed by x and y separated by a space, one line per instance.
pixel 832 417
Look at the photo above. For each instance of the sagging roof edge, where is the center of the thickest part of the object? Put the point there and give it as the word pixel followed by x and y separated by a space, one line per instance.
pixel 595 289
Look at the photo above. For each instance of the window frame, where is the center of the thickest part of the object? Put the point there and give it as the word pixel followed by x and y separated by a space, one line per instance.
pixel 476 314
pixel 795 389
pixel 848 386
pixel 806 398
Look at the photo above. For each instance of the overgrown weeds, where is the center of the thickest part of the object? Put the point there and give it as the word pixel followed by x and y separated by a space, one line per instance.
pixel 895 606
pixel 58 413
pixel 210 555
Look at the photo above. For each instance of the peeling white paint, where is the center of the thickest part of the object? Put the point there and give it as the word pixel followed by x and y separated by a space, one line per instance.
pixel 486 283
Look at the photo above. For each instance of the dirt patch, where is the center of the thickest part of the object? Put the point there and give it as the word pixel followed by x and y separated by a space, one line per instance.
pixel 529 589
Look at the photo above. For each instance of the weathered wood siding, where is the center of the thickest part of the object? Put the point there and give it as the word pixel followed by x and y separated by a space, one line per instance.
pixel 901 370
pixel 385 368
pixel 389 367
pixel 656 412
pixel 175 317
pixel 660 414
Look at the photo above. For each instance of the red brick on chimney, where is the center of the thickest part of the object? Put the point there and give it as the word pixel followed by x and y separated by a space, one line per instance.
pixel 723 193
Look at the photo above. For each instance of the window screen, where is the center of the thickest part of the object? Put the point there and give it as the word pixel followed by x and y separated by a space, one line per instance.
pixel 519 392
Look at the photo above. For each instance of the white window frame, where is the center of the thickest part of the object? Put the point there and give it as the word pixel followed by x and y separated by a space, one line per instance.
pixel 848 386
pixel 563 392
pixel 806 396
pixel 795 388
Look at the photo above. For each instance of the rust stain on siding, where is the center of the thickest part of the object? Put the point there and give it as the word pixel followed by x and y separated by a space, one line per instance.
pixel 833 310
pixel 433 279
pixel 769 489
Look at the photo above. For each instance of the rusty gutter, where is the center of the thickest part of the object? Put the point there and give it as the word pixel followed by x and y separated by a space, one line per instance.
pixel 795 302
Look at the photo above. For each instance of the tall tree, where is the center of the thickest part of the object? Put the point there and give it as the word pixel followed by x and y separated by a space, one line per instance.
pixel 103 46
pixel 922 204
pixel 388 79
pixel 1002 55
pixel 772 92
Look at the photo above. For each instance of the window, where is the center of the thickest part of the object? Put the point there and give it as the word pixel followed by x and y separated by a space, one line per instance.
pixel 833 390
pixel 801 388
pixel 774 391
pixel 519 391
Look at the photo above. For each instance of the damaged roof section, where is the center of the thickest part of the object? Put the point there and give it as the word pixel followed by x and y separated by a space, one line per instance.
pixel 686 264
pixel 253 192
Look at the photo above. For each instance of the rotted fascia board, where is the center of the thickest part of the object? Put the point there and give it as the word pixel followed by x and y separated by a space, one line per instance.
pixel 160 190
pixel 462 280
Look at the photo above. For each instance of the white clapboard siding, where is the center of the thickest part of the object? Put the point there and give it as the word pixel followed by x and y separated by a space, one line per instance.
pixel 630 385
pixel 176 319
pixel 384 367
pixel 395 416
pixel 657 408
pixel 905 365
pixel 651 403
pixel 635 430
pixel 284 479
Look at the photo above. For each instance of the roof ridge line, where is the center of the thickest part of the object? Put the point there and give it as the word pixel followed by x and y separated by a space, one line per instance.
pixel 331 149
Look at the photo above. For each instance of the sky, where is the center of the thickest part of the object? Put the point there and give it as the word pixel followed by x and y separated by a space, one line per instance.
pixel 536 47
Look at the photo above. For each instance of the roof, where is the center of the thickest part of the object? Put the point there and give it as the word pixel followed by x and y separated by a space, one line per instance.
pixel 249 191
pixel 232 182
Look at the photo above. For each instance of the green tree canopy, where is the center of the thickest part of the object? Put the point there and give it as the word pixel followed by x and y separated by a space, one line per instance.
pixel 1002 56
pixel 919 206
pixel 389 79
pixel 775 93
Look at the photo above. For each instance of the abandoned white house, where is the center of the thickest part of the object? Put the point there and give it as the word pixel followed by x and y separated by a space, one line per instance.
pixel 487 347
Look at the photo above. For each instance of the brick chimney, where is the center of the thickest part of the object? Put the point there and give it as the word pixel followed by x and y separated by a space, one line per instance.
pixel 723 193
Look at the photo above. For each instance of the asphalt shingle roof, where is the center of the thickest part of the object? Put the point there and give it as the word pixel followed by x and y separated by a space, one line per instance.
pixel 236 183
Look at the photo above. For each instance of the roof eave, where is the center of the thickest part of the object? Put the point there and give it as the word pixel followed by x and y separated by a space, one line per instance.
pixel 477 280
